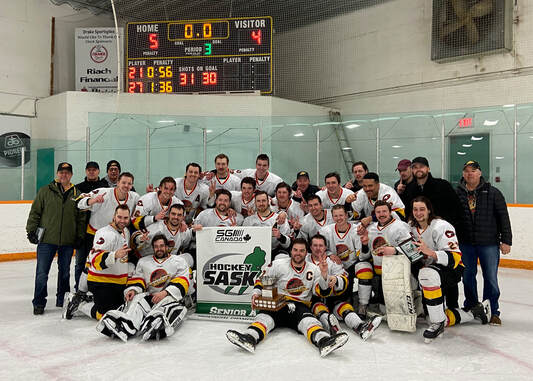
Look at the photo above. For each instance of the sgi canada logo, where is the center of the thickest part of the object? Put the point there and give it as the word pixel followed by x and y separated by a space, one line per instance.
pixel 232 235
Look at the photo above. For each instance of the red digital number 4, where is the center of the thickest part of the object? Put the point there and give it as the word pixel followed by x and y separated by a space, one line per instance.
pixel 256 36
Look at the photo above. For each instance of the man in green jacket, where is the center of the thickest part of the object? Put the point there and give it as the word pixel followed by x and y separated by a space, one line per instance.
pixel 55 224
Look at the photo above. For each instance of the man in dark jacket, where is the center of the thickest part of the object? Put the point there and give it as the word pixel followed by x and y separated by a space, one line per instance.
pixel 439 191
pixel 485 232
pixel 303 188
pixel 55 224
pixel 92 182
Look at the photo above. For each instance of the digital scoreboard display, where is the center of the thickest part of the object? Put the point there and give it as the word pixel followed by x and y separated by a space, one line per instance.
pixel 233 54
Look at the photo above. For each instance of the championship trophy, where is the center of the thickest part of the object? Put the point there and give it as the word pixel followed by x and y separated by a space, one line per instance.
pixel 270 300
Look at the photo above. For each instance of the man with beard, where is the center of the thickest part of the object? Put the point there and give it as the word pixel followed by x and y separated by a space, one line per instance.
pixel 316 219
pixel 298 280
pixel 109 267
pixel 243 202
pixel 219 215
pixel 373 191
pixel 266 217
pixel 439 191
pixel 383 237
pixel 194 195
pixel 283 203
pixel 406 175
pixel 154 295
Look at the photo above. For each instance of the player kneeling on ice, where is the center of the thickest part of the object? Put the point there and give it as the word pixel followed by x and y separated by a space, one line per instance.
pixel 440 271
pixel 339 302
pixel 154 307
pixel 296 280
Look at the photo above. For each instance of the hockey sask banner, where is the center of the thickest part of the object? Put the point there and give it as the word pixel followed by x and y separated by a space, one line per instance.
pixel 229 260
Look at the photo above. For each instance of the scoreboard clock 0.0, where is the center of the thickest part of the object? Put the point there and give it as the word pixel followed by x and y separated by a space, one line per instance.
pixel 215 55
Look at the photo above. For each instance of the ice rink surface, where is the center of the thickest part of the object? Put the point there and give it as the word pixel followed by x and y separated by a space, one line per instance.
pixel 48 348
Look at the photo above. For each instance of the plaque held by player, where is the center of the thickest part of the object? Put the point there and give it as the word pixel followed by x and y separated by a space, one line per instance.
pixel 410 250
pixel 270 300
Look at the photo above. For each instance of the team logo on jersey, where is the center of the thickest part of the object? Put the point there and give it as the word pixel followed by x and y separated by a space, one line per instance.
pixel 449 233
pixel 222 273
pixel 158 278
pixel 378 242
pixel 139 203
pixel 187 204
pixel 343 252
pixel 100 241
pixel 386 197
pixel 295 286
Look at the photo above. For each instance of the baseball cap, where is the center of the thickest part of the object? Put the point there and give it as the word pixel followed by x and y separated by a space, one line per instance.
pixel 64 166
pixel 92 164
pixel 112 163
pixel 403 165
pixel 420 160
pixel 472 163
pixel 302 173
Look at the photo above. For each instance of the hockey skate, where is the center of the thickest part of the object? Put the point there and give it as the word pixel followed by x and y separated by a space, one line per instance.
pixel 367 328
pixel 481 311
pixel 71 303
pixel 435 330
pixel 362 311
pixel 111 327
pixel 243 340
pixel 328 344
pixel 334 325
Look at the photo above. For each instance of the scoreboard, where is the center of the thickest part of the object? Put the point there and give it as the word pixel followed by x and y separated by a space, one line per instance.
pixel 215 55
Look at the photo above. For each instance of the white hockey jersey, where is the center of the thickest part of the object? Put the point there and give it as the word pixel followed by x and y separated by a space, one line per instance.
pixel 102 213
pixel 270 220
pixel 104 267
pixel 268 184
pixel 328 202
pixel 176 239
pixel 230 183
pixel 298 285
pixel 149 204
pixel 364 205
pixel 293 210
pixel 198 197
pixel 241 206
pixel 211 217
pixel 152 275
pixel 440 237
pixel 336 270
pixel 346 245
pixel 310 226
pixel 391 234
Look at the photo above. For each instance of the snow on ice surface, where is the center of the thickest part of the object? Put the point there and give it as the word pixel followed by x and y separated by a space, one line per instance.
pixel 46 347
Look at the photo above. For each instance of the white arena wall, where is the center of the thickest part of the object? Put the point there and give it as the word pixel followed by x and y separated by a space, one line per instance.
pixel 16 246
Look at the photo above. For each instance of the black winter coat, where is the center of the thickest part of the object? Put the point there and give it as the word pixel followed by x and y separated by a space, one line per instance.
pixel 490 224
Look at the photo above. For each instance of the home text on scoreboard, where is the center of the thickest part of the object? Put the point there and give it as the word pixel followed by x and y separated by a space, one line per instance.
pixel 216 55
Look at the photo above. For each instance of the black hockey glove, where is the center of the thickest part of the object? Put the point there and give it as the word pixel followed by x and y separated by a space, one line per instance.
pixel 32 237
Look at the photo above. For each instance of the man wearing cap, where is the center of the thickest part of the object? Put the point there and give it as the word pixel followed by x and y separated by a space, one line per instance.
pixel 485 232
pixel 92 181
pixel 439 191
pixel 113 170
pixel 55 224
pixel 406 175
pixel 302 187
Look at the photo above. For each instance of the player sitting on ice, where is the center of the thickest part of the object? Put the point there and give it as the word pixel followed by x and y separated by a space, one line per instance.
pixel 153 307
pixel 441 269
pixel 297 280
pixel 339 301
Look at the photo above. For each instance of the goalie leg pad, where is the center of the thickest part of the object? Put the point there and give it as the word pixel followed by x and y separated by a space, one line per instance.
pixel 433 298
pixel 397 292
pixel 364 274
